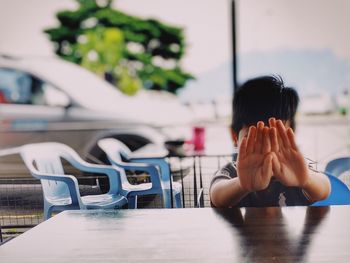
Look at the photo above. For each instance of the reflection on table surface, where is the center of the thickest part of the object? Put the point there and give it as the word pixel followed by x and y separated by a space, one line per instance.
pixel 290 234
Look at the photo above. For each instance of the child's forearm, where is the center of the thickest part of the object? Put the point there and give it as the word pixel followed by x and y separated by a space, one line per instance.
pixel 227 193
pixel 317 187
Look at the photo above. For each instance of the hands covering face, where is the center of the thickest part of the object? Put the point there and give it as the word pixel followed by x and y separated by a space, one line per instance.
pixel 270 151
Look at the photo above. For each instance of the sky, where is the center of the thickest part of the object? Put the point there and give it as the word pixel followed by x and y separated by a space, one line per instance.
pixel 263 25
pixel 316 24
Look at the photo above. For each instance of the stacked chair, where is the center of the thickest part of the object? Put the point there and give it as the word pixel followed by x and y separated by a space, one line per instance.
pixel 151 159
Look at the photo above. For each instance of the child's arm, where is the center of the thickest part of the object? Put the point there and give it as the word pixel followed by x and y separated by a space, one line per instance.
pixel 254 169
pixel 227 192
pixel 317 187
pixel 290 167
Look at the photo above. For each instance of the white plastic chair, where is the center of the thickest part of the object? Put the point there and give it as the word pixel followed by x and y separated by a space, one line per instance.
pixel 60 190
pixel 115 150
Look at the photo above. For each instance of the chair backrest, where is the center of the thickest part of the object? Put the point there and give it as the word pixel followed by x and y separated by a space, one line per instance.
pixel 45 159
pixel 340 193
pixel 115 150
pixel 338 166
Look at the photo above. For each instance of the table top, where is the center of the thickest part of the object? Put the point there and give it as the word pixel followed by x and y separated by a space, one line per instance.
pixel 290 234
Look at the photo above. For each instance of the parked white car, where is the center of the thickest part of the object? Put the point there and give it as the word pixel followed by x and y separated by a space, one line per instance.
pixel 48 99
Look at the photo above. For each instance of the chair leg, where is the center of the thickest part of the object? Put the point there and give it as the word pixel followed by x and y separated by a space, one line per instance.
pixel 178 202
pixel 132 202
pixel 47 211
pixel 167 198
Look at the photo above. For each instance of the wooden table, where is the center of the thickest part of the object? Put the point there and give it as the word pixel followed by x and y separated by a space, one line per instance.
pixel 293 234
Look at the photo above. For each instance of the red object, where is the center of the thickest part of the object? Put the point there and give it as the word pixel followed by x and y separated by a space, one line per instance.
pixel 198 138
pixel 2 97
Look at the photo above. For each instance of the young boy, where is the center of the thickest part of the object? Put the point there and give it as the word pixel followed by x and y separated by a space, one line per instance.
pixel 270 170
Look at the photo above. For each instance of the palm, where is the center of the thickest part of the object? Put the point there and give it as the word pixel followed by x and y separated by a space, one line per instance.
pixel 254 163
pixel 251 174
pixel 290 168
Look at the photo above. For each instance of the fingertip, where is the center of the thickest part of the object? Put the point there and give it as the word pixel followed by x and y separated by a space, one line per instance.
pixel 252 131
pixel 280 126
pixel 290 131
pixel 251 128
pixel 260 125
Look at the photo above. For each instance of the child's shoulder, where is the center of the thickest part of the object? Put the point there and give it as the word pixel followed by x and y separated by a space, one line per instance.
pixel 228 170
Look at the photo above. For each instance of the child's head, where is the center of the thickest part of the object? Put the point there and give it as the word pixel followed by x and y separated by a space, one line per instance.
pixel 261 98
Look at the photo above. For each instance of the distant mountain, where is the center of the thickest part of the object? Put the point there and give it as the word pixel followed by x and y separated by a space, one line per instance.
pixel 306 70
pixel 210 85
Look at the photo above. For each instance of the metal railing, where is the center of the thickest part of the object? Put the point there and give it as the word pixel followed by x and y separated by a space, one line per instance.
pixel 21 199
pixel 196 181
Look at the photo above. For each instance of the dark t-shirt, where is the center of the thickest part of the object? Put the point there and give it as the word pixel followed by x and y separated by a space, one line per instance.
pixel 276 194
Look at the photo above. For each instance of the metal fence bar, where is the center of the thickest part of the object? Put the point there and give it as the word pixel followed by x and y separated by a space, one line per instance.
pixel 182 182
pixel 171 186
pixel 201 195
pixel 194 179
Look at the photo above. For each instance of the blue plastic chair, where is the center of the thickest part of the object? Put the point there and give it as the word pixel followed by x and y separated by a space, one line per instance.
pixel 340 193
pixel 116 150
pixel 61 191
pixel 338 166
pixel 129 190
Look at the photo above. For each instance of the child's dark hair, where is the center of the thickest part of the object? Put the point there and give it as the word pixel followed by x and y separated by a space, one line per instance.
pixel 261 98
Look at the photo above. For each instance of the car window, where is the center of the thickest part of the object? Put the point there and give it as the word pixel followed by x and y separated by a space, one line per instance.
pixel 15 86
pixel 18 87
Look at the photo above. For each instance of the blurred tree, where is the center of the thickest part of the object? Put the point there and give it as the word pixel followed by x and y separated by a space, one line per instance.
pixel 132 52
